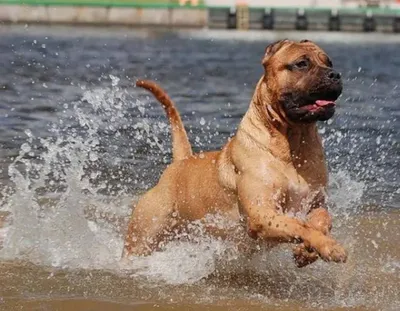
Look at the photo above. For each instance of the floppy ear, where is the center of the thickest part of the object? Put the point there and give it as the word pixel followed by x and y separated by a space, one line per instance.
pixel 272 49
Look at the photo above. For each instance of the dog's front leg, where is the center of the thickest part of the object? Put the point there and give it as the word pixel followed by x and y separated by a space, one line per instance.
pixel 258 201
pixel 320 219
pixel 318 216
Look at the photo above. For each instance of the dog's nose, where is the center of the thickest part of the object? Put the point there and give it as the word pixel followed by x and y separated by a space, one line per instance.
pixel 334 75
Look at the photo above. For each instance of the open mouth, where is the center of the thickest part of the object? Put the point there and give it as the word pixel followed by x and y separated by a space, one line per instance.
pixel 319 104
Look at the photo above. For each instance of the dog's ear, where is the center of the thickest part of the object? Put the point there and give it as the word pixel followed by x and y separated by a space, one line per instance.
pixel 272 49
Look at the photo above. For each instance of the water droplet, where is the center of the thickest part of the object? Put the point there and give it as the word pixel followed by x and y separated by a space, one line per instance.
pixel 114 80
pixel 28 133
pixel 25 148
pixel 93 157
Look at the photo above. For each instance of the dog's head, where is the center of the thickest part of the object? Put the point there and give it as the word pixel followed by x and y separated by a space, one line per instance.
pixel 301 80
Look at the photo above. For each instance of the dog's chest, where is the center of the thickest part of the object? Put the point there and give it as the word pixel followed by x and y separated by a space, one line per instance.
pixel 299 197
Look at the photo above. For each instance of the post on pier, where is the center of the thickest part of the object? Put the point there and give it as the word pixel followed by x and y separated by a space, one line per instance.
pixel 301 20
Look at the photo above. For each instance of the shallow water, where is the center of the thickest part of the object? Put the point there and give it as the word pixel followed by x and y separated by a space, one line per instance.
pixel 78 143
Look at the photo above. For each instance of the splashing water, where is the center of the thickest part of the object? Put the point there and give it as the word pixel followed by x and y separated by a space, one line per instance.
pixel 66 211
pixel 60 215
pixel 57 202
pixel 56 183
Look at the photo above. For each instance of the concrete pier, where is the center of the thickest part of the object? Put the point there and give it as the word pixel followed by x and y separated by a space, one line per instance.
pixel 260 14
pixel 107 15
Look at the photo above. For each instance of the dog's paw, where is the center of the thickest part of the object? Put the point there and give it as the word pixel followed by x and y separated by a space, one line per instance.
pixel 332 251
pixel 304 256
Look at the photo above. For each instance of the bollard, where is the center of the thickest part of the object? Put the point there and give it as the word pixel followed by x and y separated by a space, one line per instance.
pixel 369 23
pixel 268 19
pixel 232 18
pixel 396 24
pixel 301 20
pixel 242 17
pixel 334 21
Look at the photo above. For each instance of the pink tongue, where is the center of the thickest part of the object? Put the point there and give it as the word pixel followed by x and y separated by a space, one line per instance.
pixel 321 103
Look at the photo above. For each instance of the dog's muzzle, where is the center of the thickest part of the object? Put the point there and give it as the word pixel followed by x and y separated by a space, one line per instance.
pixel 316 105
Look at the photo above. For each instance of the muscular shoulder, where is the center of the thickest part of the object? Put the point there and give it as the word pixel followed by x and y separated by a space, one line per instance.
pixel 236 163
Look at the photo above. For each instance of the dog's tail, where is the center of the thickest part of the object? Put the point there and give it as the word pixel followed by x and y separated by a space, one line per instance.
pixel 181 148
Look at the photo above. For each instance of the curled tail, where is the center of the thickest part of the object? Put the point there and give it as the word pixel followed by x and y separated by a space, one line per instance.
pixel 181 148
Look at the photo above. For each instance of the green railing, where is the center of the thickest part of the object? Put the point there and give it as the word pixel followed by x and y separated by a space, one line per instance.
pixel 359 10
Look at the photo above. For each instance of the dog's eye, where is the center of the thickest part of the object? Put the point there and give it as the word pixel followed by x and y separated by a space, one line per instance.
pixel 301 64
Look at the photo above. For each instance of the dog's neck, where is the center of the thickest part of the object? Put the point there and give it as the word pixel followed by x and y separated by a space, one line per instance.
pixel 269 131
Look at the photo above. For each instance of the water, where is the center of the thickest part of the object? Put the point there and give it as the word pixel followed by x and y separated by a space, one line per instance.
pixel 79 143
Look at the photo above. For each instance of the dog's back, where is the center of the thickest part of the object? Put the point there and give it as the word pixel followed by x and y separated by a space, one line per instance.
pixel 197 186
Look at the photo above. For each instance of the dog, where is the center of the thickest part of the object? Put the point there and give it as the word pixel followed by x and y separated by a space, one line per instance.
pixel 273 169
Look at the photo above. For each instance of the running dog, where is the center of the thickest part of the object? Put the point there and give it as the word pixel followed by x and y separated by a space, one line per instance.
pixel 271 170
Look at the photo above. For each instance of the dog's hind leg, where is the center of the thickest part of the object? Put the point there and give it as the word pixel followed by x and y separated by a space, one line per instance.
pixel 151 221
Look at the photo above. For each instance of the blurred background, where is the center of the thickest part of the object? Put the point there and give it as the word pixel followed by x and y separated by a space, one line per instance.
pixel 333 15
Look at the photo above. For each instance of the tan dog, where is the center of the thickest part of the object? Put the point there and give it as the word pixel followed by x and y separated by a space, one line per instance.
pixel 274 165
